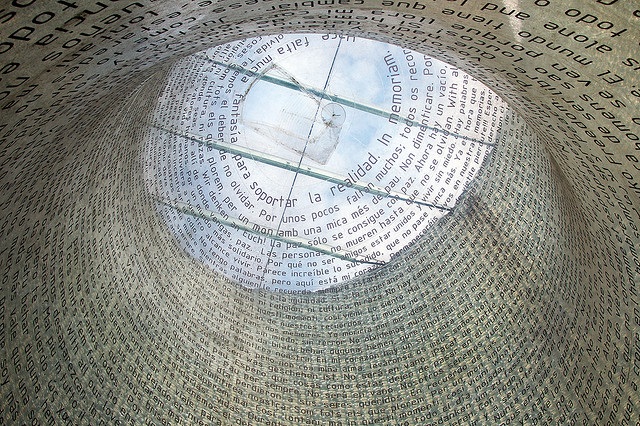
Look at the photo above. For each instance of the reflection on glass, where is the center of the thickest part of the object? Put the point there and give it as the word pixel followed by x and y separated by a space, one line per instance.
pixel 296 162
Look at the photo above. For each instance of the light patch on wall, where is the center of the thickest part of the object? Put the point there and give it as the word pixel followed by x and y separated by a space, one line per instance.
pixel 295 162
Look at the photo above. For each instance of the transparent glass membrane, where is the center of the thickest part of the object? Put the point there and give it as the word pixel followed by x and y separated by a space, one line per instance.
pixel 294 162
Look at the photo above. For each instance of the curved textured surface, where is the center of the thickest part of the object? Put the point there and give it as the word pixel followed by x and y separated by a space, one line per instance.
pixel 217 159
pixel 520 306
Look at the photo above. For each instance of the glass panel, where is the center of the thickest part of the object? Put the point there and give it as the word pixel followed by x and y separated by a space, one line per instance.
pixel 295 162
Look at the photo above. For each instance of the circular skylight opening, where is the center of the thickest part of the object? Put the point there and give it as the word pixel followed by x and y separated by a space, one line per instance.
pixel 295 162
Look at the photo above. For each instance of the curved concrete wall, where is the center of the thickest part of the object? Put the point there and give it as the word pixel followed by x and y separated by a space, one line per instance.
pixel 521 306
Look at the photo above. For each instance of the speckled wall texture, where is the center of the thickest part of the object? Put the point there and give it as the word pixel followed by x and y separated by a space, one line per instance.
pixel 521 306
